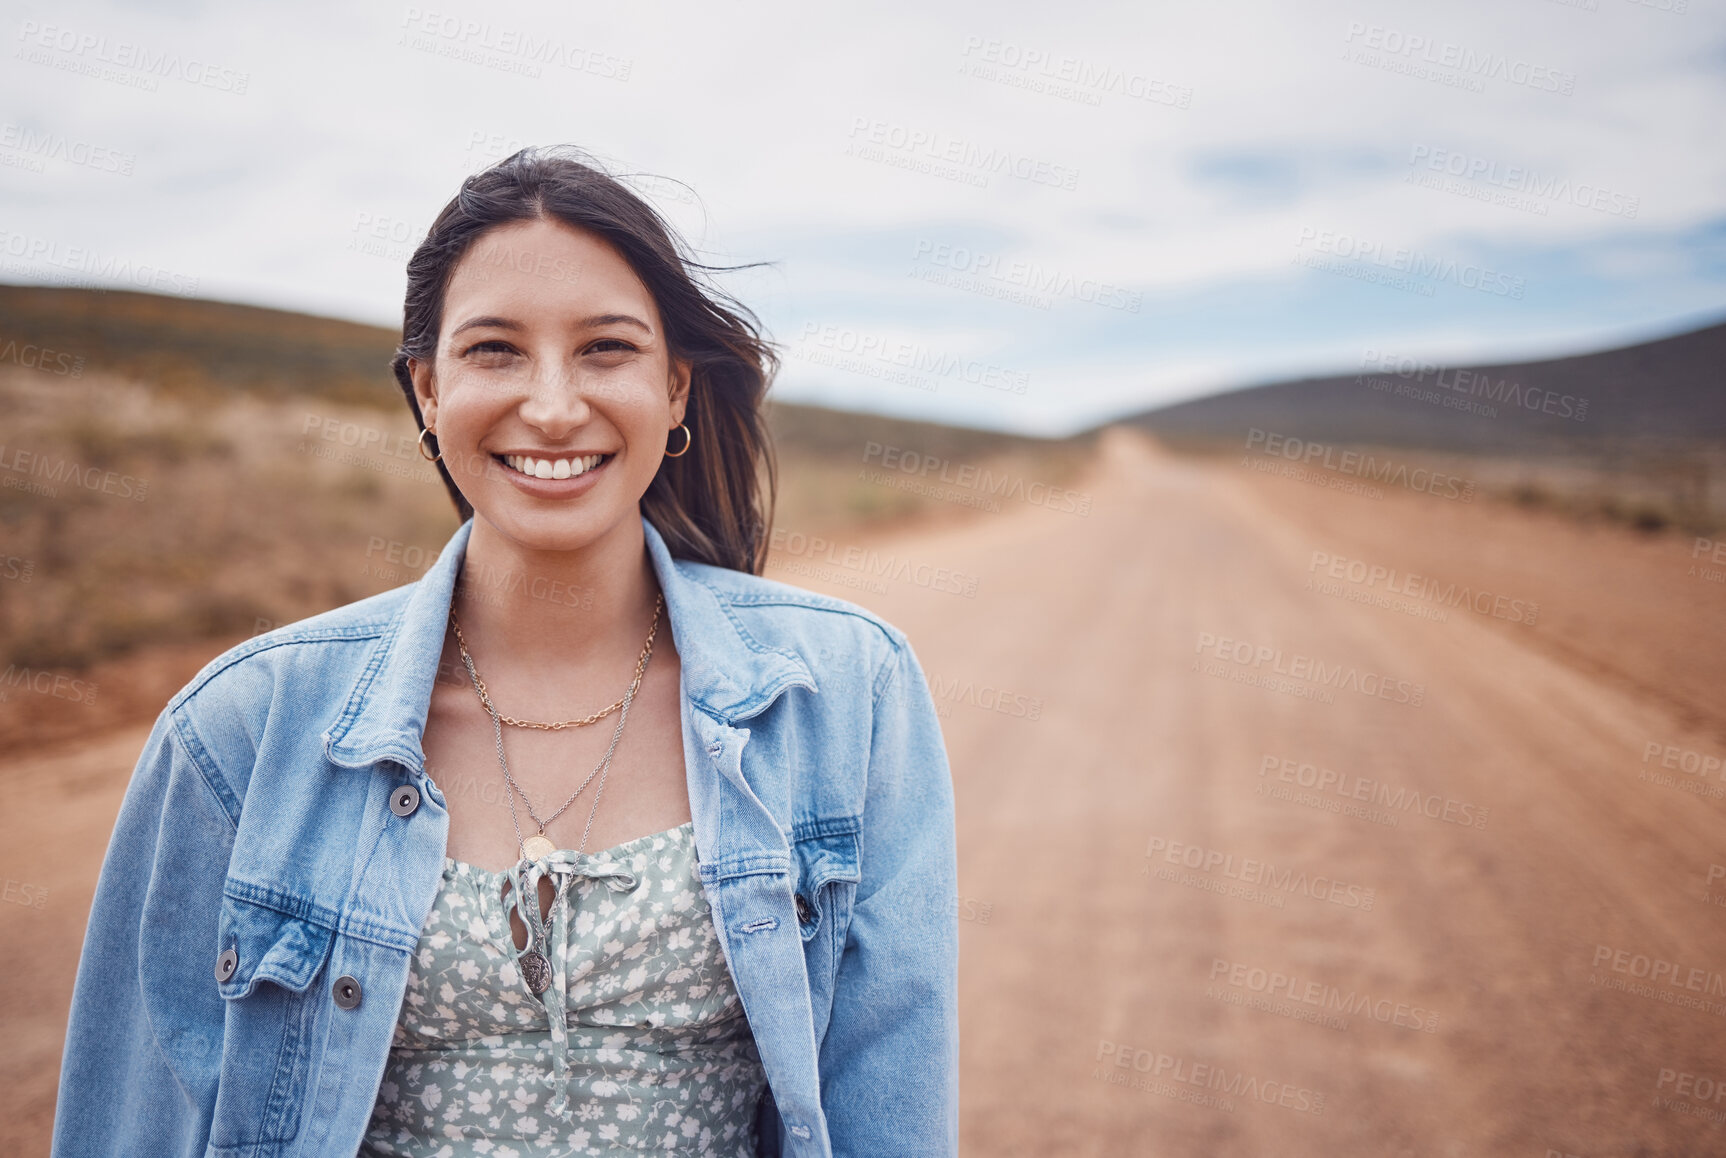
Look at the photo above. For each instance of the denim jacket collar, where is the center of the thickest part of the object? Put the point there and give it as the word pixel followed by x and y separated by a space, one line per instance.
pixel 726 673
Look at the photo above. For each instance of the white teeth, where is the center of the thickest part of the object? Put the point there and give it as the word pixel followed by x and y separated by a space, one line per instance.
pixel 553 468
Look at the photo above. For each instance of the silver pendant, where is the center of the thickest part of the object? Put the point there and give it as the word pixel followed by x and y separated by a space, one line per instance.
pixel 536 970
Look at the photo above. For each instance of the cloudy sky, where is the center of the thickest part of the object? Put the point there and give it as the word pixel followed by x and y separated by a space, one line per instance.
pixel 1018 216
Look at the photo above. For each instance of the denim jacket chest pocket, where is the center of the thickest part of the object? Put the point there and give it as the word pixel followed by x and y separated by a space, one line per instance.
pixel 825 857
pixel 266 962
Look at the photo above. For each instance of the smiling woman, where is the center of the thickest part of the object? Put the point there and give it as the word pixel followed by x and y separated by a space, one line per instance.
pixel 546 267
pixel 760 959
pixel 515 347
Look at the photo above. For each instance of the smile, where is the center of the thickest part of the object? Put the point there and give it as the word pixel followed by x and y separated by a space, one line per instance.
pixel 552 467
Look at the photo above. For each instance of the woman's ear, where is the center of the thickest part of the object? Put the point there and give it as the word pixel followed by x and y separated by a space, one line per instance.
pixel 425 391
pixel 680 374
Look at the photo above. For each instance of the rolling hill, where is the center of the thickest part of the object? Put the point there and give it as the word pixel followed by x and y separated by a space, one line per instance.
pixel 1645 397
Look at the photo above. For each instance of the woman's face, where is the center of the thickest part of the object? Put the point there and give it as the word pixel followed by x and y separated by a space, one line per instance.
pixel 551 351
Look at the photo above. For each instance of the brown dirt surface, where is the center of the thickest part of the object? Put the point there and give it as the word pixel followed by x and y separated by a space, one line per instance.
pixel 1510 834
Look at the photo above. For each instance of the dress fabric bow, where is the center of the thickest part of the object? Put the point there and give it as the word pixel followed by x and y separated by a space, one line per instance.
pixel 563 867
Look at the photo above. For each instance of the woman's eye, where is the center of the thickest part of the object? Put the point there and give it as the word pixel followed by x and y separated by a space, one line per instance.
pixel 610 346
pixel 491 346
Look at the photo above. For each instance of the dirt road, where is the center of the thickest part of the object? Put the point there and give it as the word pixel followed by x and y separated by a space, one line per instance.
pixel 1255 858
pixel 1435 978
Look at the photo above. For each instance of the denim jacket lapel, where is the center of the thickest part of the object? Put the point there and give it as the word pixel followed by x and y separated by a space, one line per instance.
pixel 726 674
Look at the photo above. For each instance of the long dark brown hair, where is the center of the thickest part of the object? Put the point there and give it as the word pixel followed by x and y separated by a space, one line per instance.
pixel 708 503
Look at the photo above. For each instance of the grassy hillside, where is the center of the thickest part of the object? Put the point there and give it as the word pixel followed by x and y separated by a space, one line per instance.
pixel 1635 435
pixel 199 348
pixel 1650 397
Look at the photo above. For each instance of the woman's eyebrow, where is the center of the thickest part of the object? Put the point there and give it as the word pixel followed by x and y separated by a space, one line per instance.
pixel 610 319
pixel 494 322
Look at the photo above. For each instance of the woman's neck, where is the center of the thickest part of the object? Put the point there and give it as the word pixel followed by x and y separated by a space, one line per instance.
pixel 547 613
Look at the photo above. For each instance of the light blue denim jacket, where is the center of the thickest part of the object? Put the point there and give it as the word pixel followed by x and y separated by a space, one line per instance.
pixel 269 815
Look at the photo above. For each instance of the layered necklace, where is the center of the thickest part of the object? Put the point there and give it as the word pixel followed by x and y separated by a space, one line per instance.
pixel 538 850
pixel 539 846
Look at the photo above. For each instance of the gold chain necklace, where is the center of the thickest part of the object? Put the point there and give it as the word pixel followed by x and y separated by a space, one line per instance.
pixel 485 698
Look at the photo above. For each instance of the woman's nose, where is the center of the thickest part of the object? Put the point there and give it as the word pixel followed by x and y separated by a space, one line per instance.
pixel 558 400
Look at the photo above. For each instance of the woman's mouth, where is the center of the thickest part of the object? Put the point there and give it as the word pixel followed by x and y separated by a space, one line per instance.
pixel 572 466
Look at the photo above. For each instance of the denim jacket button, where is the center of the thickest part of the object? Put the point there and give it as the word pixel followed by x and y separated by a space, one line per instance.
pixel 346 991
pixel 804 912
pixel 404 800
pixel 226 964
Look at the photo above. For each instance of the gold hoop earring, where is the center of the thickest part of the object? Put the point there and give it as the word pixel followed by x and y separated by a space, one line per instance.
pixel 687 439
pixel 422 445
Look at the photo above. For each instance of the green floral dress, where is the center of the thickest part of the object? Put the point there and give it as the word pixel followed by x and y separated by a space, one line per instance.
pixel 638 1044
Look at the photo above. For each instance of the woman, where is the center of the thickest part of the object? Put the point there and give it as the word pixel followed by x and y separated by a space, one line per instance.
pixel 306 939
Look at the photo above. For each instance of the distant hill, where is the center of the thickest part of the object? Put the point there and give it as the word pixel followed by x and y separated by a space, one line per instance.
pixel 1670 392
pixel 187 345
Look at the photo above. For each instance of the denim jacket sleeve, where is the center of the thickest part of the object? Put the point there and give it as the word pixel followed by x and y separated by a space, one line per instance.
pixel 144 1041
pixel 890 1057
